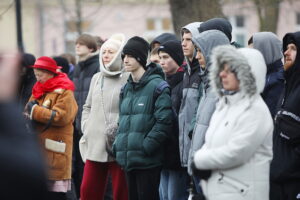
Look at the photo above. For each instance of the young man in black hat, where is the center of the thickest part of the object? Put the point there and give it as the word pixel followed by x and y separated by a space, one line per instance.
pixel 145 117
pixel 174 178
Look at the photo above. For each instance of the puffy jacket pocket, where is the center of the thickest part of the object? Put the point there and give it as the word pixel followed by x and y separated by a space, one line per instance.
pixel 239 186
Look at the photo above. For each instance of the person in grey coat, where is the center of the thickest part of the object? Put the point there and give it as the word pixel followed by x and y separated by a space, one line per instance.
pixel 204 43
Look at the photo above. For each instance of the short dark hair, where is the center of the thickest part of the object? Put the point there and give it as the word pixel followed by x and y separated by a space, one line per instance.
pixel 87 40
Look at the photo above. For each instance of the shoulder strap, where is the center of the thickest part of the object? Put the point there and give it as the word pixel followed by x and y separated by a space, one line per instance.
pixel 159 89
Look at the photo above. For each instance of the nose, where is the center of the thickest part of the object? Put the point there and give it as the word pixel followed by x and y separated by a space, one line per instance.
pixel 222 74
pixel 183 43
pixel 286 52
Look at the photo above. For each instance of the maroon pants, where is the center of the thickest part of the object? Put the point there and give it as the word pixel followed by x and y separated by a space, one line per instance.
pixel 95 178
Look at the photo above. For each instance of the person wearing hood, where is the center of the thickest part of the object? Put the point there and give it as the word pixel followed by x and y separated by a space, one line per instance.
pixel 88 65
pixel 52 108
pixel 190 91
pixel 270 47
pixel 204 43
pixel 220 24
pixel 285 174
pixel 144 122
pixel 234 161
pixel 174 179
pixel 100 112
pixel 164 37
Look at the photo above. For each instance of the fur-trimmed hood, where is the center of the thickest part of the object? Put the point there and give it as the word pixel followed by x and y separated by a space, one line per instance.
pixel 248 65
pixel 115 66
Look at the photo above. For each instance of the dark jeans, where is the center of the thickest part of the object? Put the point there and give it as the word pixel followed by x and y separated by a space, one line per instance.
pixel 143 184
pixel 285 191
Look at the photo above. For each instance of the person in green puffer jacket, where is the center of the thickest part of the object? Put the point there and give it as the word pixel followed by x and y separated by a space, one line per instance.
pixel 144 122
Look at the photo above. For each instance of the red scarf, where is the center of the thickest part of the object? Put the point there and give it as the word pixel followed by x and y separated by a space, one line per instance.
pixel 60 81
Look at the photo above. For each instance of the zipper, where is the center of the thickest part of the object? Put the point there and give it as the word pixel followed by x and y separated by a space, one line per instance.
pixel 239 186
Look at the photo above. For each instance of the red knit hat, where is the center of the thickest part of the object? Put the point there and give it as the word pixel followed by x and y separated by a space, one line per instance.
pixel 46 63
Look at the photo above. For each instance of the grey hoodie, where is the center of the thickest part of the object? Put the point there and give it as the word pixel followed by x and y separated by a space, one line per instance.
pixel 269 45
pixel 206 42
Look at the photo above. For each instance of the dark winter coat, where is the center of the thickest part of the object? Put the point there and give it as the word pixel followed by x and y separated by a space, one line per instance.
pixel 84 71
pixel 172 159
pixel 286 140
pixel 143 124
pixel 274 85
pixel 22 169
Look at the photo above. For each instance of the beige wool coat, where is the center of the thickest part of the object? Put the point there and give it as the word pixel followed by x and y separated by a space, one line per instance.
pixel 110 79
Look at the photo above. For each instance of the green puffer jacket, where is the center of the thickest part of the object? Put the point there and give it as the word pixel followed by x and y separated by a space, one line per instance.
pixel 143 124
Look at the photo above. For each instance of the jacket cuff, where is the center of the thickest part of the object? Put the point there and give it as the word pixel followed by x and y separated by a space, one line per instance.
pixel 31 112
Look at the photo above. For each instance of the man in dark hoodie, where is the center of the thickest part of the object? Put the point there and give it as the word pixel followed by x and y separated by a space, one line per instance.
pixel 220 24
pixel 271 48
pixel 144 122
pixel 285 173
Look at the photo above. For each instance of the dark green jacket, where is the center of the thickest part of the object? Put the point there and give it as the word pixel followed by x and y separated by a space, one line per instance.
pixel 143 124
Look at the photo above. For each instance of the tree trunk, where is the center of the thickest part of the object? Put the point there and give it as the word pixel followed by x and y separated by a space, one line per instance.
pixel 268 12
pixel 187 11
pixel 79 17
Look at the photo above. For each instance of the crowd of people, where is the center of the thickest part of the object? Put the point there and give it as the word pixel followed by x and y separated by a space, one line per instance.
pixel 193 118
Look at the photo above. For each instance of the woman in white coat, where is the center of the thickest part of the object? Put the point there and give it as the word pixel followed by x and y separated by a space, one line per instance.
pixel 238 142
pixel 100 113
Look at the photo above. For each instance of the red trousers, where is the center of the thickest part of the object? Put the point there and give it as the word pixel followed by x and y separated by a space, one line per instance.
pixel 95 178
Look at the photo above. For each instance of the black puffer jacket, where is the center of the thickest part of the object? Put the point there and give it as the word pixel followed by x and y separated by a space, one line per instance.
pixel 84 71
pixel 286 144
pixel 172 159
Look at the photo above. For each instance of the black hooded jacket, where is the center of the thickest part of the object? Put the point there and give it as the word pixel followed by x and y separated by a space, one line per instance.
pixel 286 144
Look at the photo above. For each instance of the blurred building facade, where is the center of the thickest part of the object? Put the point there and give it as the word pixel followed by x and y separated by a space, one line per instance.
pixel 50 26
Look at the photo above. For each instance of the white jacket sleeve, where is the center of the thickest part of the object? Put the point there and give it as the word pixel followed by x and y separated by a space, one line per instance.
pixel 249 132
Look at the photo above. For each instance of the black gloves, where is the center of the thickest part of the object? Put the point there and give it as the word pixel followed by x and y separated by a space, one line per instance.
pixel 202 174
pixel 29 106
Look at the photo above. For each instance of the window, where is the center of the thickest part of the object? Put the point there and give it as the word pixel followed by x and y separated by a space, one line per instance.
pixel 240 21
pixel 150 24
pixel 166 24
pixel 72 26
pixel 154 24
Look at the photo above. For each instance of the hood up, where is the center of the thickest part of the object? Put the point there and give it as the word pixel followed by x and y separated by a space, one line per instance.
pixel 115 66
pixel 207 41
pixel 247 64
pixel 269 45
